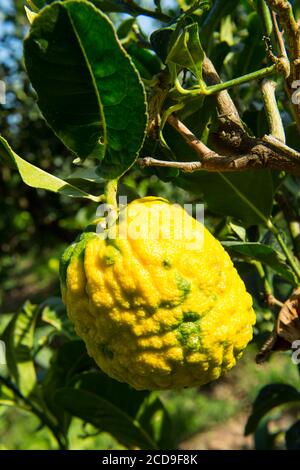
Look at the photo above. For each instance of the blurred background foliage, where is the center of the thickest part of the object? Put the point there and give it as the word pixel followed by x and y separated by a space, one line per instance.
pixel 35 226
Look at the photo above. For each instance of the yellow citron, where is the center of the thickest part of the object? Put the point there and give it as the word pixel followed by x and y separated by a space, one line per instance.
pixel 158 303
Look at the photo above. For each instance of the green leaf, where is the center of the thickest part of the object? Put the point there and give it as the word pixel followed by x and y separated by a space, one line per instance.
pixel 36 5
pixel 119 394
pixel 53 312
pixel 143 406
pixel 37 178
pixel 161 39
pixel 88 88
pixel 112 6
pixel 86 174
pixel 269 397
pixel 292 437
pixel 296 8
pixel 220 9
pixel 125 27
pixel 7 397
pixel 292 136
pixel 263 253
pixel 105 416
pixel 70 359
pixel 246 196
pixel 145 61
pixel 226 30
pixel 187 51
pixel 18 337
pixel 253 52
pixel 155 419
pixel 30 14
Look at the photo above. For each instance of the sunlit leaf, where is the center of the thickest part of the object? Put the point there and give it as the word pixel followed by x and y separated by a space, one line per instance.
pixel 37 178
pixel 18 337
pixel 88 88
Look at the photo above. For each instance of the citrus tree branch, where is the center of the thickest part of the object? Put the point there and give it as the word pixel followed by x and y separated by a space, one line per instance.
pixel 268 152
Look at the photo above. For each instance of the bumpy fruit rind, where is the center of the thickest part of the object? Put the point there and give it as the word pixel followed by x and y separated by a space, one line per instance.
pixel 156 307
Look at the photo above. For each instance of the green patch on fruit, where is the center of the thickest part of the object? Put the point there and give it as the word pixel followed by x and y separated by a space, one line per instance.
pixel 188 334
pixel 111 255
pixel 190 316
pixel 76 250
pixel 184 286
pixel 64 263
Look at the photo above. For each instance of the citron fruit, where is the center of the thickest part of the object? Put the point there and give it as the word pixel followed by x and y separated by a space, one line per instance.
pixel 158 302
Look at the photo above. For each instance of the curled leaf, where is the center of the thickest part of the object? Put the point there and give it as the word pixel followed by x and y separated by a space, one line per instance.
pixel 287 329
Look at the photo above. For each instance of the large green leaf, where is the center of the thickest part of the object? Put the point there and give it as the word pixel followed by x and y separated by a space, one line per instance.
pixel 37 178
pixel 245 196
pixel 18 337
pixel 269 397
pixel 263 253
pixel 105 416
pixel 88 88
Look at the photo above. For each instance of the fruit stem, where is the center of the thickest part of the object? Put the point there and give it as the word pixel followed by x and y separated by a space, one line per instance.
pixel 211 90
pixel 110 192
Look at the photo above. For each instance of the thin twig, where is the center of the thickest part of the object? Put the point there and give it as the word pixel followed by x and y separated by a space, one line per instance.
pixel 282 148
pixel 188 167
pixel 278 34
pixel 189 137
pixel 272 301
